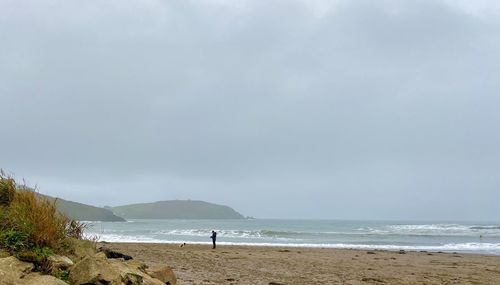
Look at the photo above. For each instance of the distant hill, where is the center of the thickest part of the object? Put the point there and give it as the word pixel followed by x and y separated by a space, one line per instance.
pixel 177 209
pixel 83 212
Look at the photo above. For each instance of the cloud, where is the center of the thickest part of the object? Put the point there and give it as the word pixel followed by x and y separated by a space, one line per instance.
pixel 279 108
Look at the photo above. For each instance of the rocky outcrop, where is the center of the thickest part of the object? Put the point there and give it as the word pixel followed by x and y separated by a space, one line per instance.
pixel 163 273
pixel 94 269
pixel 98 269
pixel 59 262
pixel 134 272
pixel 114 254
pixel 38 279
pixel 15 272
pixel 15 267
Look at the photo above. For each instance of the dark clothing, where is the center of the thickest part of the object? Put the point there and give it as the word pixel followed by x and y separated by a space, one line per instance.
pixel 214 238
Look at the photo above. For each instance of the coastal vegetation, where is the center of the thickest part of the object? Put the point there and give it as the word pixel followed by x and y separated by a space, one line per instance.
pixel 40 245
pixel 31 227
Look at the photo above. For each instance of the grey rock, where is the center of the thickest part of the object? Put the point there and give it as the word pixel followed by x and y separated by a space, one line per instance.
pixel 12 270
pixel 97 270
pixel 15 272
pixel 114 254
pixel 38 279
pixel 59 262
pixel 163 273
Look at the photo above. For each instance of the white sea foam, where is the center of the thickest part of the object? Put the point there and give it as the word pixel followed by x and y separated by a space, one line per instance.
pixel 128 239
pixel 468 237
pixel 490 248
pixel 297 236
pixel 240 234
pixel 205 233
pixel 435 230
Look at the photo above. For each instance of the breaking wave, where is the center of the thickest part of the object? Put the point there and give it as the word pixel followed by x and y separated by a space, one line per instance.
pixel 435 230
pixel 483 238
pixel 489 248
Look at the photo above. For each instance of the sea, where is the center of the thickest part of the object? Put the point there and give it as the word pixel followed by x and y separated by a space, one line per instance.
pixel 472 237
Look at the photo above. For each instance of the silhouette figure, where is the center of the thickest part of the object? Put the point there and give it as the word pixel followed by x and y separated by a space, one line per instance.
pixel 214 238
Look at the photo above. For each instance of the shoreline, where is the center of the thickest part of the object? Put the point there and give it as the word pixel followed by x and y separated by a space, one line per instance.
pixel 243 264
pixel 423 249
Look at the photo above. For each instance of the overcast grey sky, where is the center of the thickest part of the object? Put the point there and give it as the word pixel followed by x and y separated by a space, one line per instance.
pixel 287 109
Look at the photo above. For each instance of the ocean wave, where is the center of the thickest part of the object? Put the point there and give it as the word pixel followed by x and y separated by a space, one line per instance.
pixel 244 234
pixel 485 228
pixel 431 230
pixel 106 222
pixel 207 233
pixel 434 230
pixel 125 238
pixel 490 248
pixel 271 233
pixel 250 233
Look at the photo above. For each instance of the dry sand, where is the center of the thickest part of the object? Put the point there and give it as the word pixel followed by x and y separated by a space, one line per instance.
pixel 199 264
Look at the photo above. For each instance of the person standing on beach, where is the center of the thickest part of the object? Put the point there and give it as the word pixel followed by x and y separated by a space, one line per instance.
pixel 214 238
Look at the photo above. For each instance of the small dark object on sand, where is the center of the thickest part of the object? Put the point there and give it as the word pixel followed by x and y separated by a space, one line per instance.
pixel 402 252
pixel 114 254
pixel 275 283
pixel 370 252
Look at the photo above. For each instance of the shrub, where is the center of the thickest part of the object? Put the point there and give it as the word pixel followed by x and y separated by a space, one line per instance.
pixel 31 227
pixel 13 241
pixel 38 256
pixel 74 229
pixel 38 218
pixel 7 189
pixel 62 274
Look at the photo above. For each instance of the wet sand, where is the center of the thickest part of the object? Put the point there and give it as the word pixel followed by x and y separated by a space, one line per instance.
pixel 199 264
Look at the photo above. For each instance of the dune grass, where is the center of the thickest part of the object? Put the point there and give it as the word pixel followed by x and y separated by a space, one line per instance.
pixel 31 227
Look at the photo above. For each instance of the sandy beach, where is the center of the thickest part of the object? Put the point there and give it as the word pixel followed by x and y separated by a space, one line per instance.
pixel 199 264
